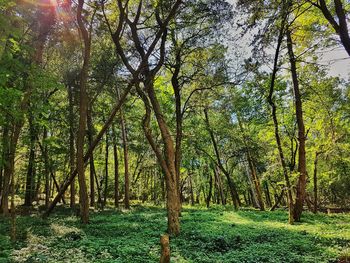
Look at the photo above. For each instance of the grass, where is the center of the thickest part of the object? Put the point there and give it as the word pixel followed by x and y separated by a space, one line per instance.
pixel 214 235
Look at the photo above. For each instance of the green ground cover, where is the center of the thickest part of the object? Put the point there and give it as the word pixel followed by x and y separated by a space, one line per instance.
pixel 214 235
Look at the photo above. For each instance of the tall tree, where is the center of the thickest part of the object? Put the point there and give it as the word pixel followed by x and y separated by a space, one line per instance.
pixel 83 195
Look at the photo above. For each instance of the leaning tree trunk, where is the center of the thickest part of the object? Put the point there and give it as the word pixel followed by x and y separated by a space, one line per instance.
pixel 89 152
pixel 252 168
pixel 230 182
pixel 301 185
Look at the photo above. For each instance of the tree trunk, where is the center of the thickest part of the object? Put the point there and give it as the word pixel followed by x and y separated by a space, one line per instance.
pixel 278 200
pixel 339 24
pixel 210 190
pixel 219 185
pixel 167 162
pixel 45 21
pixel 315 183
pixel 106 172
pixel 4 153
pixel 275 120
pixel 92 163
pixel 71 145
pixel 301 185
pixel 126 162
pixel 83 195
pixel 267 194
pixel 87 156
pixel 231 184
pixel 46 169
pixel 178 113
pixel 252 168
pixel 191 188
pixel 256 182
pixel 30 179
pixel 116 169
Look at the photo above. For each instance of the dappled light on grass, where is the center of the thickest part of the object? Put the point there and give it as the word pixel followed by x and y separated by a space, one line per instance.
pixel 214 235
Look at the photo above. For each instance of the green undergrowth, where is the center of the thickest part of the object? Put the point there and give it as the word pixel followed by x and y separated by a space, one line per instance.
pixel 214 235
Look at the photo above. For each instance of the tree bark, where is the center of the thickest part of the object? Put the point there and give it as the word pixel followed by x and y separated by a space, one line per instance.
pixel 126 162
pixel 116 168
pixel 315 208
pixel 219 185
pixel 339 23
pixel 83 196
pixel 210 190
pixel 4 153
pixel 46 169
pixel 71 145
pixel 91 163
pixel 106 171
pixel 301 185
pixel 267 194
pixel 167 162
pixel 30 179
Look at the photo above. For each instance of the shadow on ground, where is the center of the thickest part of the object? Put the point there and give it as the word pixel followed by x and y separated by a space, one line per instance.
pixel 214 235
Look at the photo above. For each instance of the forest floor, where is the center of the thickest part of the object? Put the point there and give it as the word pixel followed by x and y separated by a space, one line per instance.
pixel 214 235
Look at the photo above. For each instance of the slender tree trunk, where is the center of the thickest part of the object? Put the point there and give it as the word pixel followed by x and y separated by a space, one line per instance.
pixel 116 169
pixel 178 113
pixel 4 153
pixel 210 190
pixel 253 199
pixel 278 200
pixel 267 194
pixel 83 196
pixel 10 165
pixel 231 184
pixel 87 156
pixel 92 163
pixel 57 186
pixel 252 168
pixel 13 210
pixel 191 188
pixel 45 21
pixel 126 162
pixel 256 182
pixel 339 24
pixel 219 185
pixel 275 120
pixel 46 168
pixel 106 172
pixel 71 145
pixel 167 162
pixel 301 185
pixel 30 180
pixel 315 183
